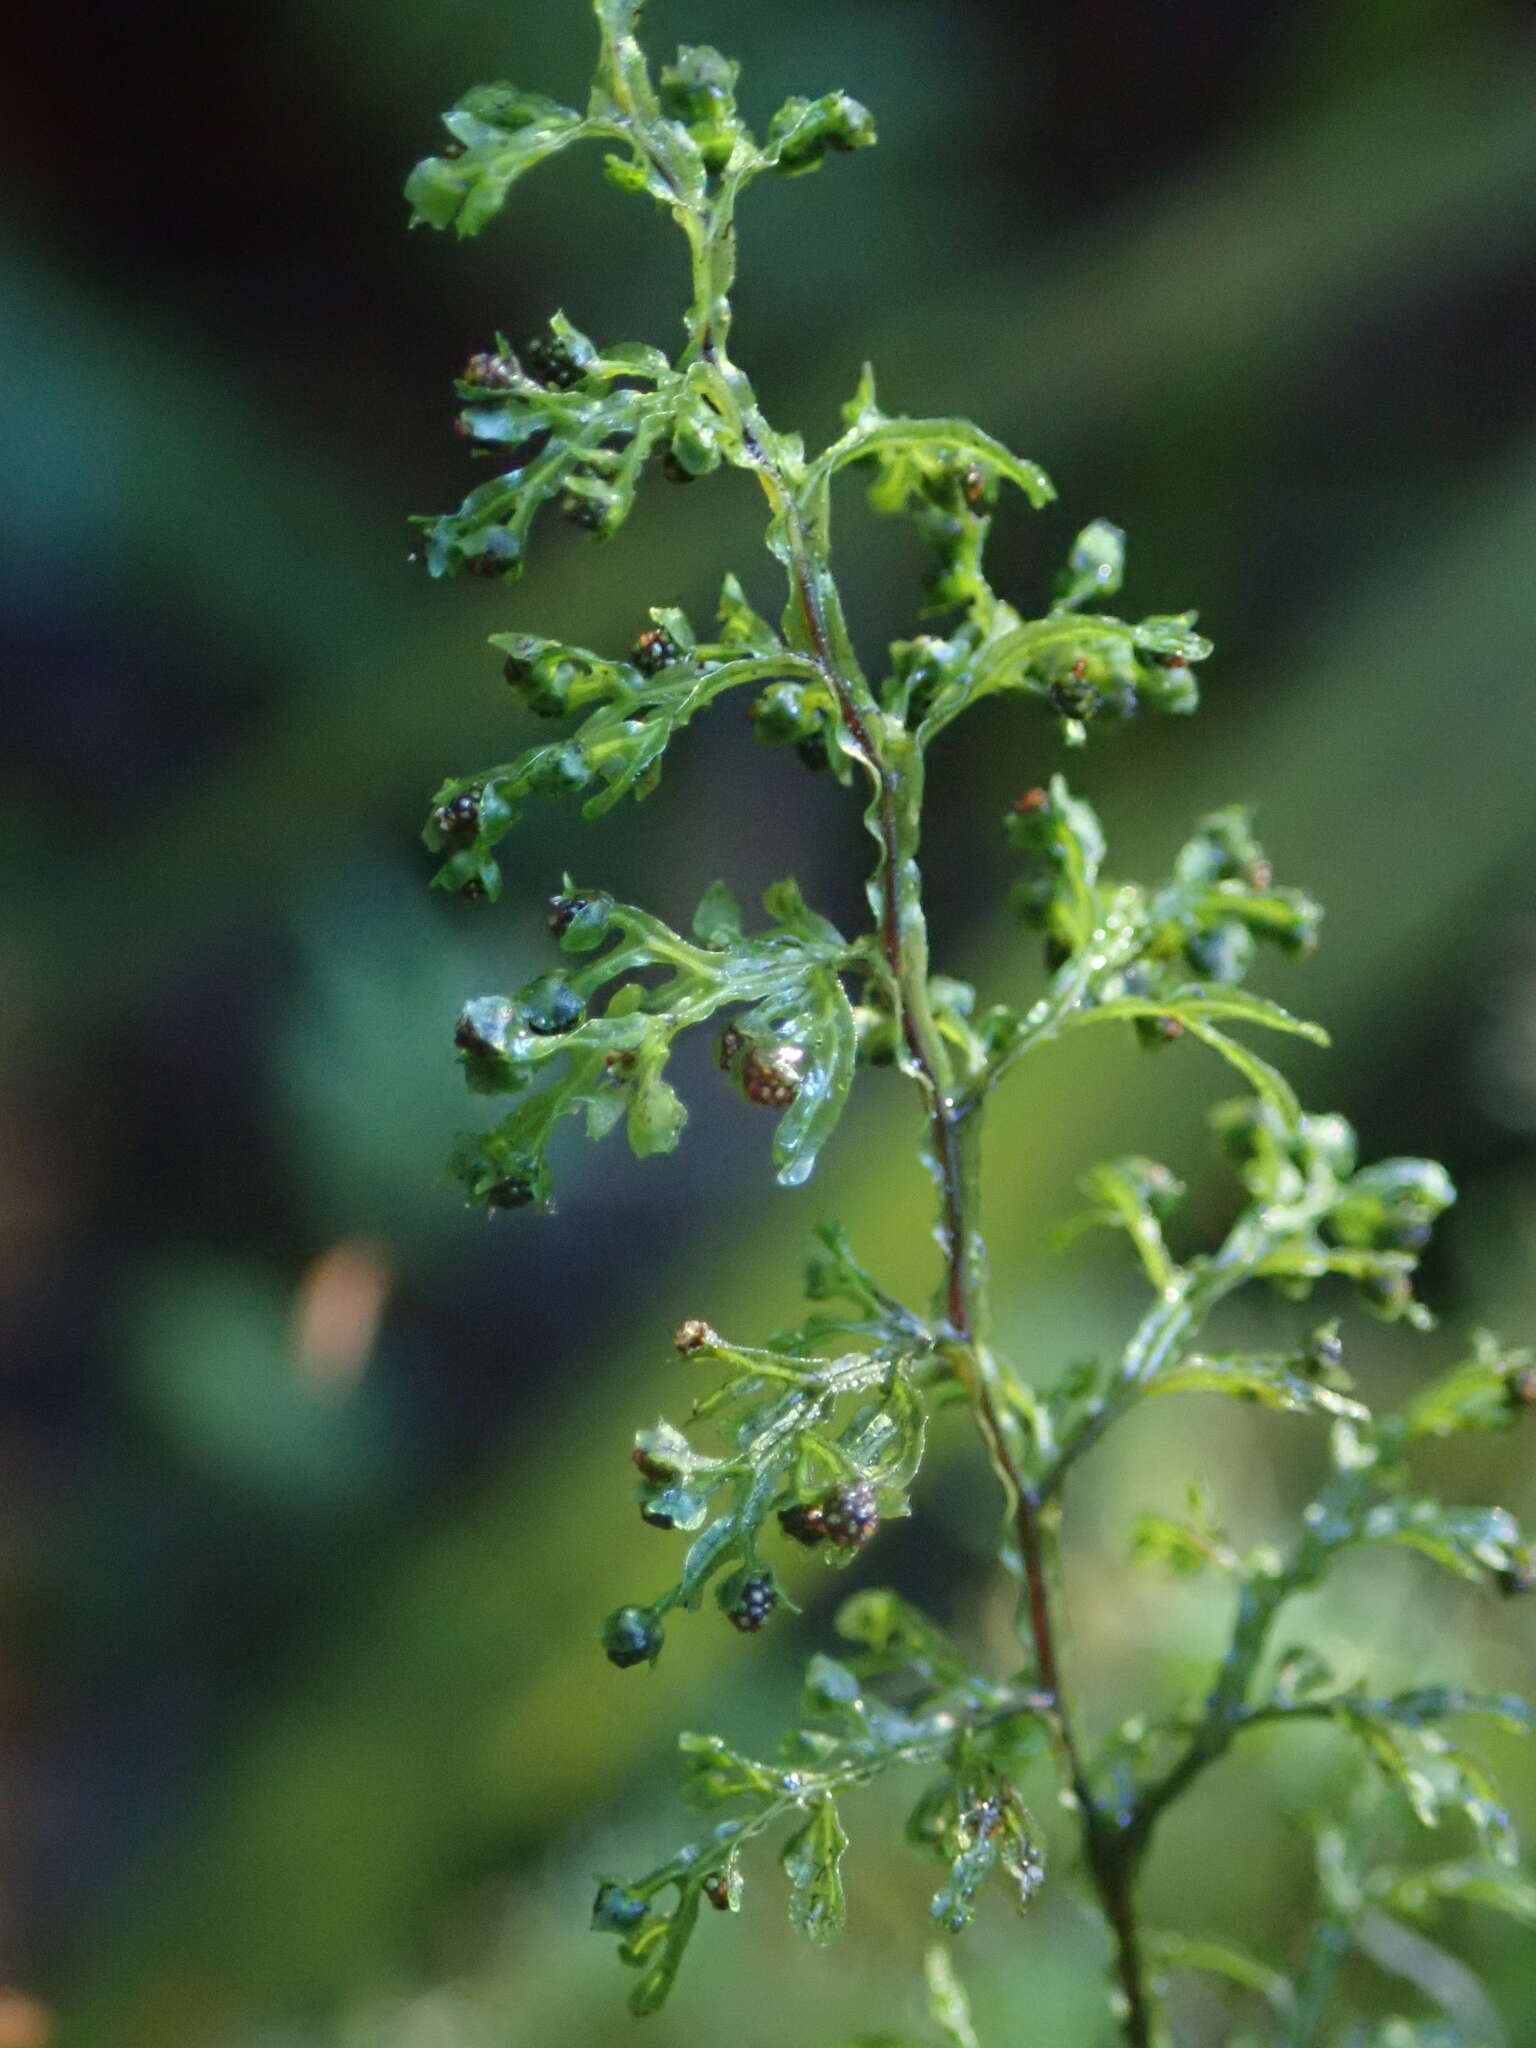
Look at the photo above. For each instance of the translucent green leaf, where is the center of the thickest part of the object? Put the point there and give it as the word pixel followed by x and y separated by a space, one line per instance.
pixel 1303 1672
pixel 1426 1704
pixel 1185 1548
pixel 1192 1006
pixel 740 625
pixel 656 1114
pixel 948 2005
pixel 717 921
pixel 1095 567
pixel 501 133
pixel 1472 1542
pixel 954 1905
pixel 1489 1390
pixel 834 1274
pixel 786 905
pixel 708 1554
pixel 1435 1776
pixel 832 1692
pixel 1221 1959
pixel 1273 1382
pixel 812 1860
pixel 895 1635
pixel 667 1454
pixel 842 1436
pixel 989 1830
pixel 699 91
pixel 597 1038
pixel 957 440
pixel 717 1773
pixel 1420 1892
pixel 829 1039
pixel 1088 666
pixel 616 1909
pixel 660 1948
pixel 1136 1195
pixel 587 446
pixel 1391 1205
pixel 802 131
pixel 1063 844
pixel 1267 1082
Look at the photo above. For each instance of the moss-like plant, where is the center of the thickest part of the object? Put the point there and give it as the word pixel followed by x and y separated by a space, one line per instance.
pixel 817 1436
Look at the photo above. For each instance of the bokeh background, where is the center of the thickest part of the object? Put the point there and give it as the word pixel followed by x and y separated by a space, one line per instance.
pixel 313 1485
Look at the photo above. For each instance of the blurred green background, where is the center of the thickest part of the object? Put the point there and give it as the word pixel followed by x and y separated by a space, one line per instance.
pixel 312 1485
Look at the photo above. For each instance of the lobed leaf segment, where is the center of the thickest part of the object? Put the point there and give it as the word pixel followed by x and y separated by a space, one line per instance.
pixel 970 1736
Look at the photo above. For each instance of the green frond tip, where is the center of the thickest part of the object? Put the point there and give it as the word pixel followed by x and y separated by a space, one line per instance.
pixel 809 1451
pixel 812 1860
pixel 675 134
pixel 497 134
pixel 968 1730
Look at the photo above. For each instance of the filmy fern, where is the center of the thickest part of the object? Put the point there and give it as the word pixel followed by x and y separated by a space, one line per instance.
pixel 816 1436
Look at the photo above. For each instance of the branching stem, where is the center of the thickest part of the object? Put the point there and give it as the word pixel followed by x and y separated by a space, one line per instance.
pixel 580 425
pixel 953 1126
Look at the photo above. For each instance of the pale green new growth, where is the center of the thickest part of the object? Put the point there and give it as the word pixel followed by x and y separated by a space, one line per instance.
pixel 817 1436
